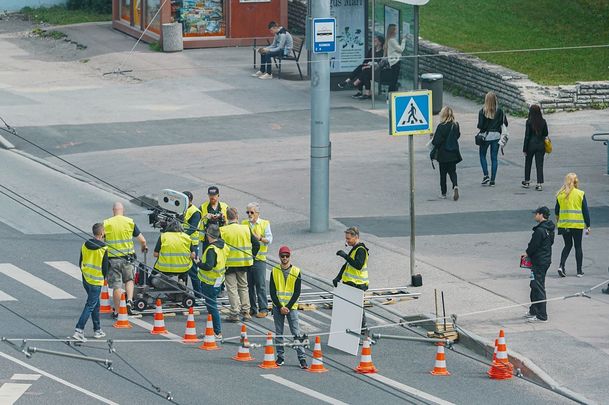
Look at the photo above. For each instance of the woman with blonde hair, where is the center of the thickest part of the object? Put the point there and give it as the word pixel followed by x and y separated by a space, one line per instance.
pixel 490 120
pixel 446 150
pixel 393 53
pixel 573 217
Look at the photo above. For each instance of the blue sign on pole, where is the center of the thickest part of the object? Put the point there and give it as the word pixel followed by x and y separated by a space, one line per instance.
pixel 324 35
pixel 411 113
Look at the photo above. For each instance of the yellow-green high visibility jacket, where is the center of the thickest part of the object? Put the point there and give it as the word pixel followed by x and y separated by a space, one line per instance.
pixel 174 256
pixel 353 275
pixel 259 229
pixel 238 239
pixel 223 209
pixel 91 265
pixel 571 215
pixel 214 276
pixel 285 287
pixel 119 236
pixel 195 235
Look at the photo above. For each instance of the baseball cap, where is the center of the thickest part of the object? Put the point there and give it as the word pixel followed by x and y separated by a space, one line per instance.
pixel 545 211
pixel 213 231
pixel 284 250
pixel 213 190
pixel 188 194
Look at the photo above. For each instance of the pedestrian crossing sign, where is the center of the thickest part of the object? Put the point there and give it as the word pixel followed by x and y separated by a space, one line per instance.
pixel 410 113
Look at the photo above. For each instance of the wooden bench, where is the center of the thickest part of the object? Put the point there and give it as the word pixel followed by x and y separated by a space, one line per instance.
pixel 295 56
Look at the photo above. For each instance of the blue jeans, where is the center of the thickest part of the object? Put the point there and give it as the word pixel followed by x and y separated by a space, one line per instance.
pixel 256 284
pixel 211 294
pixel 494 162
pixel 194 278
pixel 279 319
pixel 91 307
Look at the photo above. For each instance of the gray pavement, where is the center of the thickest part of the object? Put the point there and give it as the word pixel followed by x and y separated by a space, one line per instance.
pixel 215 125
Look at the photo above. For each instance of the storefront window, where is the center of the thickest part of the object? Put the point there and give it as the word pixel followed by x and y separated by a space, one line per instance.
pixel 154 24
pixel 200 18
pixel 126 10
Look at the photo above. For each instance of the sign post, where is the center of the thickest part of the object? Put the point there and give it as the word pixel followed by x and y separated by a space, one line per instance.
pixel 411 114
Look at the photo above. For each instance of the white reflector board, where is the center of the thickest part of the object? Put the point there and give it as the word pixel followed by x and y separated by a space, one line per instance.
pixel 347 311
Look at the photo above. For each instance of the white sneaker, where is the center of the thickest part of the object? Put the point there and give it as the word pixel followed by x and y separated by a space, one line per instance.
pixel 265 76
pixel 529 315
pixel 257 74
pixel 79 335
pixel 536 320
pixel 99 334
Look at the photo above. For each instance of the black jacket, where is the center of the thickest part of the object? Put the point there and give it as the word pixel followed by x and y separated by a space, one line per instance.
pixel 491 125
pixel 533 141
pixel 446 142
pixel 358 263
pixel 540 246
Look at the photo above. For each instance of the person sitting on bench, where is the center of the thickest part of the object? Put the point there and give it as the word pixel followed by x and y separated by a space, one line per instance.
pixel 361 76
pixel 282 45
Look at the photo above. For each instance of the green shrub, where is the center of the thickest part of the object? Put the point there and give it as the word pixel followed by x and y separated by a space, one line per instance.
pixel 98 6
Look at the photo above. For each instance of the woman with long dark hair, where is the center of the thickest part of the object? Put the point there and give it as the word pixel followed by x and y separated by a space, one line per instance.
pixel 361 76
pixel 536 131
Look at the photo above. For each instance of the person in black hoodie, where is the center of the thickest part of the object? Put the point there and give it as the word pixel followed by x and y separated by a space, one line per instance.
pixel 539 252
pixel 93 264
pixel 535 134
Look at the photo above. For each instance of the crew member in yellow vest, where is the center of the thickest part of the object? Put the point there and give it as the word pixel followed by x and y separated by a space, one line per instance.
pixel 174 251
pixel 120 231
pixel 573 218
pixel 284 286
pixel 93 264
pixel 355 270
pixel 213 211
pixel 192 221
pixel 243 247
pixel 211 270
pixel 256 277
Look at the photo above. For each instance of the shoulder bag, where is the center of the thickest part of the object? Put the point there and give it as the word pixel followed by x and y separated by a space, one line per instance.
pixel 480 138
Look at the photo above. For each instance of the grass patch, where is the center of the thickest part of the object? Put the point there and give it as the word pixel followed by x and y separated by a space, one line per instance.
pixel 482 25
pixel 48 34
pixel 155 46
pixel 60 15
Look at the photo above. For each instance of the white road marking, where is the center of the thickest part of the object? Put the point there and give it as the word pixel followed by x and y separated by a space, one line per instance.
pixel 34 282
pixel 409 389
pixel 323 315
pixel 311 319
pixel 376 319
pixel 59 380
pixel 5 297
pixel 25 377
pixel 67 268
pixel 11 392
pixel 302 389
pixel 149 326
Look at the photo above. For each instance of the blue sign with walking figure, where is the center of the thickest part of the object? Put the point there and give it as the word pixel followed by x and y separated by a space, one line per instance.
pixel 410 113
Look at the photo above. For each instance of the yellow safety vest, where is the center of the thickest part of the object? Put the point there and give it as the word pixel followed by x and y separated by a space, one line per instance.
pixel 223 209
pixel 174 256
pixel 212 276
pixel 119 236
pixel 91 266
pixel 259 228
pixel 353 275
pixel 187 227
pixel 571 215
pixel 238 239
pixel 285 287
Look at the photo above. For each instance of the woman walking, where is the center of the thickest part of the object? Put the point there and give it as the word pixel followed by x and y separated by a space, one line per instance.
pixel 573 217
pixel 393 52
pixel 446 144
pixel 535 134
pixel 490 119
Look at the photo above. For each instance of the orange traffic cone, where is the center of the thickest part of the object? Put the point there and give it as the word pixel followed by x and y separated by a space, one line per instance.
pixel 159 320
pixel 269 353
pixel 494 356
pixel 104 300
pixel 123 318
pixel 190 335
pixel 501 369
pixel 440 366
pixel 365 363
pixel 243 354
pixel 317 365
pixel 209 341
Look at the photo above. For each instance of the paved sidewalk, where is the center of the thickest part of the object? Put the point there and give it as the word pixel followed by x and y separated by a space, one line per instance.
pixel 251 138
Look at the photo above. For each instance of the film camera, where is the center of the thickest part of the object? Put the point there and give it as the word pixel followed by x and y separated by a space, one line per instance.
pixel 171 207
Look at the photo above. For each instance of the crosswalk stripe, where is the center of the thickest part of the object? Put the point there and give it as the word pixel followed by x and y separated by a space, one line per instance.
pixel 34 282
pixel 302 389
pixel 406 388
pixel 149 327
pixel 11 392
pixel 67 268
pixel 5 297
pixel 25 377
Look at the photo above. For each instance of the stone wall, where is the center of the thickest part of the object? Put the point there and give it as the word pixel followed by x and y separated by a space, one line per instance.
pixel 579 96
pixel 297 16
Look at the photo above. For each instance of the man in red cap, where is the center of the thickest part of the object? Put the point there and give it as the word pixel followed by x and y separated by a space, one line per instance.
pixel 284 286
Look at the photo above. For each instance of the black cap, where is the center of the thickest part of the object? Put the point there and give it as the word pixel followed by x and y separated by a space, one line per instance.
pixel 213 231
pixel 213 190
pixel 188 194
pixel 545 211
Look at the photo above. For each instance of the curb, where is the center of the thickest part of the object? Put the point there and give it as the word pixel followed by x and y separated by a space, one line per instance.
pixel 6 144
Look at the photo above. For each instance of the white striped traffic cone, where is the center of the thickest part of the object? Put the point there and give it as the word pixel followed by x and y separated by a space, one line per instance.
pixel 159 319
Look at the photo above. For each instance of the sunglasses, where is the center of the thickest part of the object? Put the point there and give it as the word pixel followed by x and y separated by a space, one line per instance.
pixel 249 212
pixel 284 256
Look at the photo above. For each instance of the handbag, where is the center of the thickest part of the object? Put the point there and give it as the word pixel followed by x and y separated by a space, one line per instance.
pixel 547 143
pixel 525 262
pixel 480 138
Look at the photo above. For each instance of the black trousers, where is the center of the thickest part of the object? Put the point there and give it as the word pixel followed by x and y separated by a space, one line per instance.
pixel 449 168
pixel 390 76
pixel 538 292
pixel 572 237
pixel 528 163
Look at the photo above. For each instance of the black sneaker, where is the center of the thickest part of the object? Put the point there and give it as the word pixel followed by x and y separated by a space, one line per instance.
pixel 580 274
pixel 605 290
pixel 492 184
pixel 129 307
pixel 485 180
pixel 365 97
pixel 114 315
pixel 561 272
pixel 303 364
pixel 344 84
pixel 357 95
pixel 525 184
pixel 280 361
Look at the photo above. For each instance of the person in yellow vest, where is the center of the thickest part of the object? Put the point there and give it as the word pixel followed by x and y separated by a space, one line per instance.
pixel 256 277
pixel 243 247
pixel 573 218
pixel 120 231
pixel 355 270
pixel 211 270
pixel 192 221
pixel 213 211
pixel 284 286
pixel 93 264
pixel 174 251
